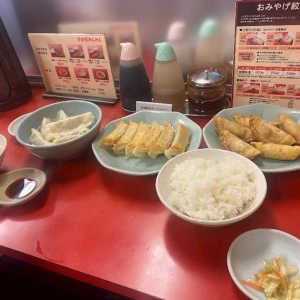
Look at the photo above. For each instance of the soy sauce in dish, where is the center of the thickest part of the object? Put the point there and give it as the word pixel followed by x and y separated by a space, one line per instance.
pixel 20 188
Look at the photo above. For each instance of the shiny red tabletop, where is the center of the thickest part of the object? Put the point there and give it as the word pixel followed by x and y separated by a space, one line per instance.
pixel 110 230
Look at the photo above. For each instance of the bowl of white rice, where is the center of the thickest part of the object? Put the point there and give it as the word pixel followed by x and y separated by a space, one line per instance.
pixel 211 187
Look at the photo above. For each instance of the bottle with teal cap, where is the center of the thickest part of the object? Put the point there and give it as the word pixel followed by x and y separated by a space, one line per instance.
pixel 168 83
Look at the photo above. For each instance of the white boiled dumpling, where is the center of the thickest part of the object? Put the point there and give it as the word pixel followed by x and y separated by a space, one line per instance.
pixel 61 115
pixel 66 138
pixel 68 126
pixel 37 139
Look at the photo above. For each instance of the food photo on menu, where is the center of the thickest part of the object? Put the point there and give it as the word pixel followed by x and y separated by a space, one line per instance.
pixel 100 74
pixel 252 88
pixel 82 73
pixel 56 50
pixel 276 89
pixel 62 71
pixel 76 51
pixel 283 38
pixel 95 51
pixel 257 38
pixel 297 90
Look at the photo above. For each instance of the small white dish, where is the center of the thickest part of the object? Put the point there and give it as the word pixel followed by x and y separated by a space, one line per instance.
pixel 25 184
pixel 13 126
pixel 248 251
pixel 164 189
pixel 3 144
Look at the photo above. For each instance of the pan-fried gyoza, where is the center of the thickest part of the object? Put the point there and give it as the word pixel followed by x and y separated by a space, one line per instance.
pixel 145 140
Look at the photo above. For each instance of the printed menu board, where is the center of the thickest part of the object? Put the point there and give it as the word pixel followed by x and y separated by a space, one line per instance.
pixel 267 53
pixel 74 64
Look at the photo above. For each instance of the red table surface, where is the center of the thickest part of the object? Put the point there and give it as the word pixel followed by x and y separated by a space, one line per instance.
pixel 110 229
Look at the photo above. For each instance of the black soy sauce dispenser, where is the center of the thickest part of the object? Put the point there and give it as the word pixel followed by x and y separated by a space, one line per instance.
pixel 134 81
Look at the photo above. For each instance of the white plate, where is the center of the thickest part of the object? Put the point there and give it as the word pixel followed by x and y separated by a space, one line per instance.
pixel 38 176
pixel 13 126
pixel 267 112
pixel 248 251
pixel 143 166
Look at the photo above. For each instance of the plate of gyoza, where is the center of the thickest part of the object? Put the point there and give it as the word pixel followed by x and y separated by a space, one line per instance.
pixel 141 143
pixel 268 135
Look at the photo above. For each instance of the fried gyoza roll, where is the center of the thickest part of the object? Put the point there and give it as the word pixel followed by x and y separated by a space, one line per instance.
pixel 244 121
pixel 149 140
pixel 267 133
pixel 276 151
pixel 232 143
pixel 288 125
pixel 180 142
pixel 240 131
pixel 164 140
pixel 126 138
pixel 109 141
pixel 140 134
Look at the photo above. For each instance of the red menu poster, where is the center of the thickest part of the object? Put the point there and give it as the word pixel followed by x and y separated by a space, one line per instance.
pixel 267 53
pixel 74 64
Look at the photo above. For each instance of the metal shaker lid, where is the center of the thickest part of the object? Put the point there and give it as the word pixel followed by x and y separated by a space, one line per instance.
pixel 207 77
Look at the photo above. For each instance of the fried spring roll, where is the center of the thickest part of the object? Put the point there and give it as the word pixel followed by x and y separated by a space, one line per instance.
pixel 232 143
pixel 288 125
pixel 238 130
pixel 267 133
pixel 142 149
pixel 140 134
pixel 126 138
pixel 244 121
pixel 163 142
pixel 110 140
pixel 180 142
pixel 276 151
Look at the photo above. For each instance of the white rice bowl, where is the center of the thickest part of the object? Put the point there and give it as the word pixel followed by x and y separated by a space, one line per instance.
pixel 211 187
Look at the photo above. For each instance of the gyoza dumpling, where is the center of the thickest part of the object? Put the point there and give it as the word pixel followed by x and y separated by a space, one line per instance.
pixel 288 125
pixel 110 140
pixel 276 151
pixel 66 138
pixel 37 139
pixel 61 115
pixel 68 126
pixel 45 121
pixel 126 138
pixel 240 131
pixel 142 149
pixel 140 134
pixel 232 143
pixel 164 140
pixel 267 133
pixel 180 142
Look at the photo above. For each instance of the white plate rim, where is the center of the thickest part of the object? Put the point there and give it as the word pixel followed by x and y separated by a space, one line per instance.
pixel 237 239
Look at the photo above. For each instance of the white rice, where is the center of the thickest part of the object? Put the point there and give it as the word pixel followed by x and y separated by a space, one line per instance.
pixel 209 190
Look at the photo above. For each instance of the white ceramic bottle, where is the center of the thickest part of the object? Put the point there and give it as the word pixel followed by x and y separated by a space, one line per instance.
pixel 168 83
